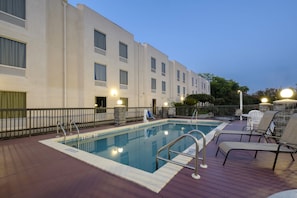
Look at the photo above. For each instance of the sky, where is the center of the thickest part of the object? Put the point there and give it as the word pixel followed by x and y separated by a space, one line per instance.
pixel 252 42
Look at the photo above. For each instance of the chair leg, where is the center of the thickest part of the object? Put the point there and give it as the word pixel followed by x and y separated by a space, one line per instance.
pixel 218 138
pixel 226 158
pixel 276 156
pixel 293 159
pixel 256 154
pixel 217 151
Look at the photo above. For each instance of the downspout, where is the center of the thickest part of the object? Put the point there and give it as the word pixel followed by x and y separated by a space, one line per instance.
pixel 64 54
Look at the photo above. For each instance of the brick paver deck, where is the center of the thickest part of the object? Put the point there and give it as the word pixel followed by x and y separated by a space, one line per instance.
pixel 30 169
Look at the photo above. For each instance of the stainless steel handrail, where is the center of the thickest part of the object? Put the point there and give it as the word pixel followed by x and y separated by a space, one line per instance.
pixel 203 165
pixel 194 115
pixel 60 125
pixel 76 127
pixel 168 146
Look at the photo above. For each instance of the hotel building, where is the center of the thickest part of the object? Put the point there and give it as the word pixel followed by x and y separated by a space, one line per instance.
pixel 53 54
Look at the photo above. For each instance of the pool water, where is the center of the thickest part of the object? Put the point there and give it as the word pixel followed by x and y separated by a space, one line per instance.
pixel 138 147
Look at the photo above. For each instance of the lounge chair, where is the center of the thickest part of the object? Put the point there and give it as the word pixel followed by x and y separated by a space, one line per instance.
pixel 262 129
pixel 150 115
pixel 286 144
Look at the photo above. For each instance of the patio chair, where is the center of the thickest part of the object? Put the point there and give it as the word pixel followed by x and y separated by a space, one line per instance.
pixel 262 129
pixel 253 119
pixel 149 115
pixel 286 144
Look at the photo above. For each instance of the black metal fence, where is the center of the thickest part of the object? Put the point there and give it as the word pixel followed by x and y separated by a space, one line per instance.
pixel 217 111
pixel 27 122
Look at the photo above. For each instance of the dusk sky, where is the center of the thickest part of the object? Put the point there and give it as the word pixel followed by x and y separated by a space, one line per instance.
pixel 253 42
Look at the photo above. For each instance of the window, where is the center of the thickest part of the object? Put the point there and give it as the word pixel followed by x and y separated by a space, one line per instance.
pixel 100 72
pixel 100 41
pixel 184 91
pixel 153 84
pixel 123 77
pixel 123 52
pixel 13 11
pixel 163 87
pixel 12 100
pixel 163 69
pixel 192 81
pixel 178 90
pixel 184 77
pixel 12 53
pixel 100 104
pixel 203 86
pixel 14 7
pixel 178 75
pixel 153 64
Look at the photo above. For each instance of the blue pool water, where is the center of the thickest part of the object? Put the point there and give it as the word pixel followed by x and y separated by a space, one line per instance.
pixel 138 147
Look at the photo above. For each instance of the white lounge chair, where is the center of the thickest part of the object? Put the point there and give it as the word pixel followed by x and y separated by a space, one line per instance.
pixel 262 129
pixel 286 144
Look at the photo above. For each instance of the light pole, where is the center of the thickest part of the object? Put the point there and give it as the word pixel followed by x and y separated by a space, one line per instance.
pixel 240 103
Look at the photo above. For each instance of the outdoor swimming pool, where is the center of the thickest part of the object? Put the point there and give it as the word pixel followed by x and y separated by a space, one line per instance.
pixel 115 143
pixel 138 147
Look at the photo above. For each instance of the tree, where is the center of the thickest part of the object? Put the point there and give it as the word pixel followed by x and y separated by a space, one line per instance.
pixel 225 91
pixel 270 93
pixel 207 76
pixel 196 98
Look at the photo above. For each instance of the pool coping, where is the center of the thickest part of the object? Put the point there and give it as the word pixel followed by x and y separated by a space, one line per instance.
pixel 153 181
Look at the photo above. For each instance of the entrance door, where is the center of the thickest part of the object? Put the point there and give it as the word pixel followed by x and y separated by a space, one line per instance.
pixel 154 102
pixel 100 104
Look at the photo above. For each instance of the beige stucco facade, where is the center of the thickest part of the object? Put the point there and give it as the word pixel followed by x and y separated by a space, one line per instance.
pixel 60 58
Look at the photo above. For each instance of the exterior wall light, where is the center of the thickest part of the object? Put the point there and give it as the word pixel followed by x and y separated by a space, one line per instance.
pixel 165 104
pixel 286 93
pixel 119 102
pixel 114 92
pixel 264 105
pixel 182 98
pixel 120 149
pixel 264 100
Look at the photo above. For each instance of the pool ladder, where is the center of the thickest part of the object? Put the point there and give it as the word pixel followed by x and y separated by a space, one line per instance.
pixel 194 115
pixel 169 160
pixel 61 126
pixel 76 127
